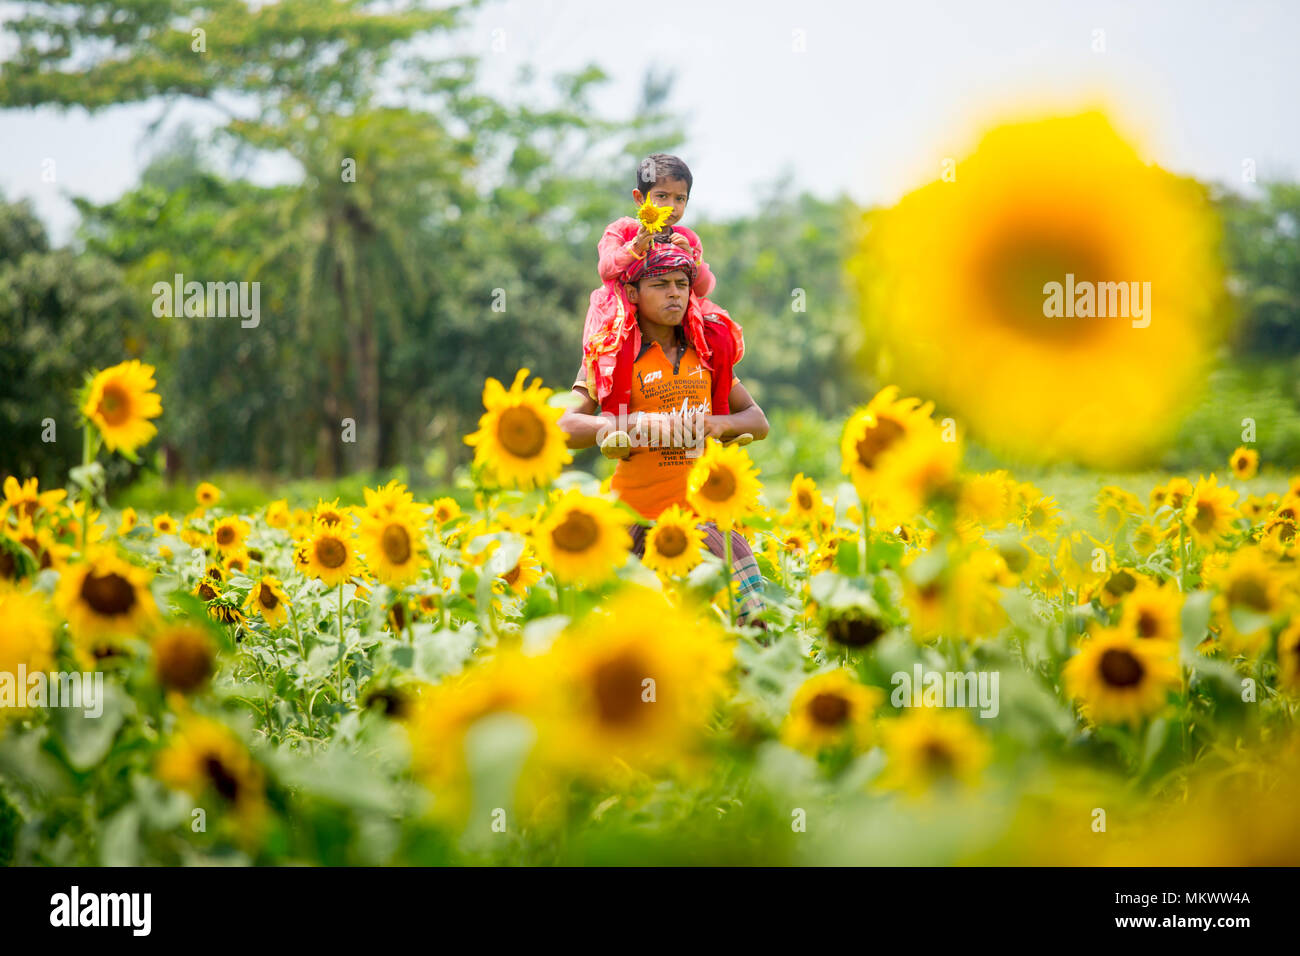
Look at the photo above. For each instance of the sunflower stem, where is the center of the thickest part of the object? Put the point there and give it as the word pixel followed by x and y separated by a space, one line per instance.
pixel 342 645
pixel 296 633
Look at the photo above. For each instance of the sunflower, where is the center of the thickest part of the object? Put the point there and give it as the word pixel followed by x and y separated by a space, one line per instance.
pixel 1209 512
pixel 443 714
pixel 26 635
pixel 444 510
pixel 1040 203
pixel 1145 539
pixel 119 402
pixel 329 513
pixel 853 627
pixel 1115 507
pixel 164 524
pixel 874 430
pixel 105 596
pixel 805 501
pixel 1152 612
pixel 1244 463
pixel 26 499
pixel 1288 657
pixel 268 599
pixel 653 217
pixel 277 514
pixel 637 682
pixel 204 757
pixel 723 484
pixel 526 572
pixel 228 535
pixel 1250 589
pixel 207 494
pixel 394 546
pixel 918 472
pixel 184 657
pixel 1041 516
pixel 987 499
pixel 1119 678
pixel 583 539
pixel 331 554
pixel 519 439
pixel 831 710
pixel 674 545
pixel 41 544
pixel 392 498
pixel 928 747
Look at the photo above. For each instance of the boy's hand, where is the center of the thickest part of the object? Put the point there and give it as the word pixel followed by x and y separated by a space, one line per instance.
pixel 641 241
pixel 682 243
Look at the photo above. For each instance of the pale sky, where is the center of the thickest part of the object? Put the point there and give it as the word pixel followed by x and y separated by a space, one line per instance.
pixel 878 95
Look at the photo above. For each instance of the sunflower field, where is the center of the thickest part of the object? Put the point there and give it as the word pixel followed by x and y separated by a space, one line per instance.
pixel 406 681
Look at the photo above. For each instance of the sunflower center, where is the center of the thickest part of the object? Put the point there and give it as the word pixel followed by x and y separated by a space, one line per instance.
pixel 576 533
pixel 521 432
pixel 670 541
pixel 720 485
pixel 1249 592
pixel 878 439
pixel 331 553
pixel 108 594
pixel 1121 582
pixel 330 517
pixel 225 535
pixel 805 500
pixel 396 544
pixel 207 592
pixel 1148 625
pixel 8 565
pixel 115 405
pixel 1120 668
pixel 266 597
pixel 223 781
pixel 854 631
pixel 829 710
pixel 1016 556
pixel 1205 517
pixel 617 685
pixel 1015 272
pixel 938 758
pixel 512 575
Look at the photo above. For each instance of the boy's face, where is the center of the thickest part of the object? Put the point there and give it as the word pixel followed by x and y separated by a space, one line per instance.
pixel 667 192
pixel 661 299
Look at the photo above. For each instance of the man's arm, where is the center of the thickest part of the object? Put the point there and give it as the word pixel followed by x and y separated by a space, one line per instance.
pixel 583 423
pixel 745 416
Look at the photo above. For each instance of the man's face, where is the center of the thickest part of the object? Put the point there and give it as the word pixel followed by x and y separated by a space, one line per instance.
pixel 667 192
pixel 662 299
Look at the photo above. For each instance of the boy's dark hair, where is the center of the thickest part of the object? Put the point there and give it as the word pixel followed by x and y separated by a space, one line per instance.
pixel 659 166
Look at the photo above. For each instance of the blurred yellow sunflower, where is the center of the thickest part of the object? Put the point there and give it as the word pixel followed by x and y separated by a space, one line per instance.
pixel 204 757
pixel 805 500
pixel 444 510
pixel 831 710
pixel 873 430
pixel 638 681
pixel 1244 463
pixel 105 596
pixel 120 401
pixel 26 637
pixel 1119 678
pixel 1152 612
pixel 956 290
pixel 26 499
pixel 207 494
pixel 928 747
pixel 1250 595
pixel 674 543
pixel 1209 512
pixel 519 438
pixel 723 484
pixel 583 539
pixel 184 657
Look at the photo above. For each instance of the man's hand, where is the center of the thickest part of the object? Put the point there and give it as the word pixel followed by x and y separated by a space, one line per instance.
pixel 700 428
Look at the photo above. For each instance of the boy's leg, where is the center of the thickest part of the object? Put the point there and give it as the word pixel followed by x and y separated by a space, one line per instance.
pixel 745 575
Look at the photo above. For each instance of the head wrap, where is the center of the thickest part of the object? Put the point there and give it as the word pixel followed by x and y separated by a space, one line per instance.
pixel 660 259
